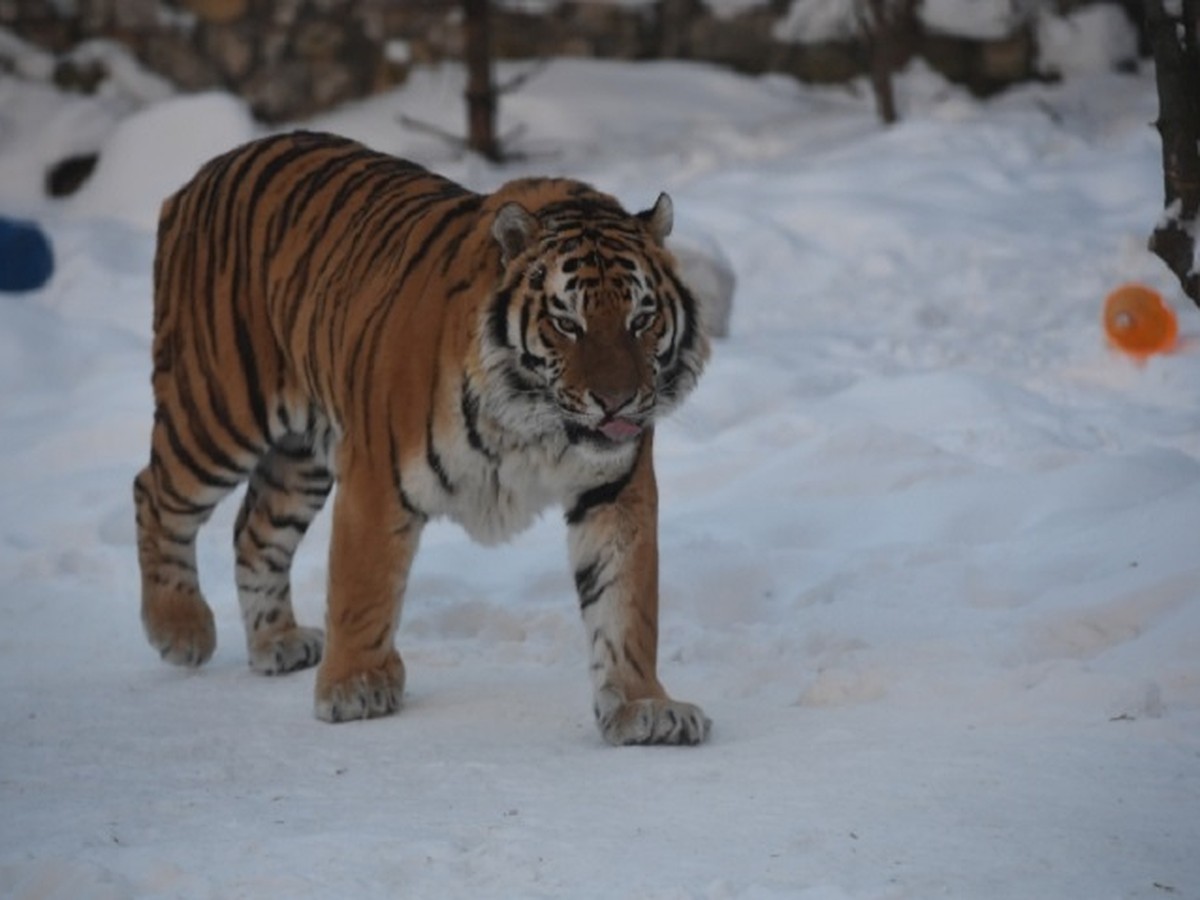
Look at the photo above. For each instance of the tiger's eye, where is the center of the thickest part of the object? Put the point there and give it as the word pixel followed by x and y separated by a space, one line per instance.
pixel 641 322
pixel 569 327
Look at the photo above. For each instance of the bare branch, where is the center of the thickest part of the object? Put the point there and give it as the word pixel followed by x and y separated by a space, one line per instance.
pixel 455 140
pixel 518 81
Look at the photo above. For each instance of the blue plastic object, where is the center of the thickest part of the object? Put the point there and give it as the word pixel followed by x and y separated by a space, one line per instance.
pixel 26 260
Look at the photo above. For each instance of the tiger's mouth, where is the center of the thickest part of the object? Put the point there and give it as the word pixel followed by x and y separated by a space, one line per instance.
pixel 618 429
pixel 608 432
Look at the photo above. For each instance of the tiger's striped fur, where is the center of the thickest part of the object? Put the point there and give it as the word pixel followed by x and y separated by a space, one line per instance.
pixel 327 313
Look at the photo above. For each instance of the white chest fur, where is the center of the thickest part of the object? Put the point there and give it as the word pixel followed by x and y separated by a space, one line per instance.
pixel 497 493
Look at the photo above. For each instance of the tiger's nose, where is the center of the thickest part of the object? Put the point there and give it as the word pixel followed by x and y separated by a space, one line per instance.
pixel 613 399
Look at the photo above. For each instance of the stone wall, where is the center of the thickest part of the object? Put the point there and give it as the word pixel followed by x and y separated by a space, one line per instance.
pixel 288 58
pixel 291 58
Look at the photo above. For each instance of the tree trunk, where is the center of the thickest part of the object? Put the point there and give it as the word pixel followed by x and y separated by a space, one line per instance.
pixel 888 27
pixel 1174 31
pixel 881 82
pixel 481 92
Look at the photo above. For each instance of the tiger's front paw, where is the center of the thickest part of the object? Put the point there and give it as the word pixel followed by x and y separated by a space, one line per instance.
pixel 364 694
pixel 650 721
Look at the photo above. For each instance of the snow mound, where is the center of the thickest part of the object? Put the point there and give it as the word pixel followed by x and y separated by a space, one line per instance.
pixel 816 21
pixel 154 152
pixel 981 20
pixel 1098 38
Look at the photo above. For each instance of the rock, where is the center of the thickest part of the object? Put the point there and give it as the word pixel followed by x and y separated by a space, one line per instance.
pixel 66 176
pixel 231 48
pixel 177 60
pixel 218 12
pixel 80 76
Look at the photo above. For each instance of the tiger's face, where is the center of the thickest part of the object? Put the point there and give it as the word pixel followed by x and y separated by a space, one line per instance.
pixel 592 331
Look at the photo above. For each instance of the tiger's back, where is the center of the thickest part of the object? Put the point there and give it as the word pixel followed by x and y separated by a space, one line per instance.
pixel 257 298
pixel 321 308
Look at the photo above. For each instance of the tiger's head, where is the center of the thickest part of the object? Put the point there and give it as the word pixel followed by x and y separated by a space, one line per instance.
pixel 590 331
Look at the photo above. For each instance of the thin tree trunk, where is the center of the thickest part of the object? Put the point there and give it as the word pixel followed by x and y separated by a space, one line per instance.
pixel 481 92
pixel 881 82
pixel 1174 31
pixel 887 27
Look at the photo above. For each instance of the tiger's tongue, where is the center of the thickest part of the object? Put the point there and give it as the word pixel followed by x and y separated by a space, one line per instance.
pixel 620 429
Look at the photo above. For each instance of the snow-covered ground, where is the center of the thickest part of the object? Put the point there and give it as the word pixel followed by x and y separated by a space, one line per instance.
pixel 931 550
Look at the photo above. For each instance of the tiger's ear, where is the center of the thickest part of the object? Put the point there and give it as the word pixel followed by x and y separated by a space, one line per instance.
pixel 660 219
pixel 513 228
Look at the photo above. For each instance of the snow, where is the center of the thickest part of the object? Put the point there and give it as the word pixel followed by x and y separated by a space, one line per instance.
pixel 158 149
pixel 816 21
pixel 929 545
pixel 982 20
pixel 1089 39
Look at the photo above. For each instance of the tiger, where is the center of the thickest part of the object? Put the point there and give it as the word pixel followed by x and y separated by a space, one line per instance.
pixel 324 313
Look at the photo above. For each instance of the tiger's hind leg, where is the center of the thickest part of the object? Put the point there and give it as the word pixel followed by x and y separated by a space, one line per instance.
pixel 286 491
pixel 174 496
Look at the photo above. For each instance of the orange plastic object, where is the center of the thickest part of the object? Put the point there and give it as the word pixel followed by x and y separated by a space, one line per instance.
pixel 1138 321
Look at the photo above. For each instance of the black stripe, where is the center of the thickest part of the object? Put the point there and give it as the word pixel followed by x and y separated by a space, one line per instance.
pixel 580 209
pixel 687 339
pixel 243 515
pixel 180 505
pixel 292 151
pixel 202 474
pixel 498 317
pixel 203 209
pixel 407 212
pixel 293 449
pixel 435 462
pixel 629 658
pixel 178 562
pixel 531 362
pixel 469 204
pixel 518 384
pixel 597 496
pixel 432 457
pixel 290 523
pixel 264 474
pixel 405 501
pixel 411 217
pixel 394 458
pixel 281 413
pixel 451 251
pixel 523 335
pixel 586 583
pixel 254 392
pixel 317 493
pixel 226 234
pixel 470 414
pixel 382 638
pixel 218 413
pixel 310 267
pixel 175 537
pixel 411 508
pixel 264 547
